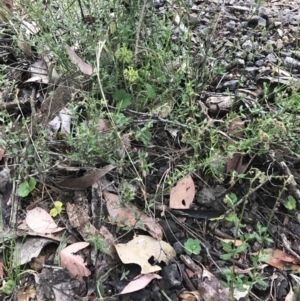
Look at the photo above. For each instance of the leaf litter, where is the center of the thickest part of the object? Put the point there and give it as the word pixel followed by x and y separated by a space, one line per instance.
pixel 218 102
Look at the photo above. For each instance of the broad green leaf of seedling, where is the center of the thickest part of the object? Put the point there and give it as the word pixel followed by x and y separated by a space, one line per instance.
pixel 26 187
pixel 122 98
pixel 150 92
pixel 290 204
pixel 192 246
pixel 7 287
pixel 57 209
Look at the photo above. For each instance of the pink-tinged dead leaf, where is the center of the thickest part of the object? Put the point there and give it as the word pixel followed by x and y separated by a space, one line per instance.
pixel 40 221
pixel 74 263
pixel 241 271
pixel 182 195
pixel 285 257
pixel 132 216
pixel 2 152
pixel 280 260
pixel 139 283
pixel 1 271
pixel 84 67
pixel 102 125
pixel 141 249
pixel 235 242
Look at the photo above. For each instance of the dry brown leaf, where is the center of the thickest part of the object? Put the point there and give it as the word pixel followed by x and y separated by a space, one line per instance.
pixel 40 221
pixel 84 182
pixel 132 216
pixel 182 195
pixel 25 295
pixel 190 296
pixel 235 129
pixel 74 263
pixel 83 66
pixel 141 249
pixel 280 260
pixel 79 219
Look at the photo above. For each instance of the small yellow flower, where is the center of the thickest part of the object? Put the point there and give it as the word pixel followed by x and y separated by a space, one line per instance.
pixel 130 74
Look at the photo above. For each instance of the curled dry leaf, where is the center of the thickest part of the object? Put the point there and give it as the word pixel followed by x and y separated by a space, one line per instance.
pixel 26 294
pixel 84 67
pixel 74 263
pixel 132 216
pixel 182 195
pixel 141 249
pixel 40 221
pixel 139 283
pixel 81 183
pixel 280 260
pixel 190 296
pixel 236 242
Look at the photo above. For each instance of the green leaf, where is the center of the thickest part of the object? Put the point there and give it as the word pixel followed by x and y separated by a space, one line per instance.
pixel 150 92
pixel 26 187
pixel 31 184
pixel 8 287
pixel 192 246
pixel 57 208
pixel 122 98
pixel 226 256
pixel 53 212
pixel 290 204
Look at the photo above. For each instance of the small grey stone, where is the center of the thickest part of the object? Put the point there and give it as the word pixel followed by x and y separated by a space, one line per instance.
pixel 247 45
pixel 256 246
pixel 259 63
pixel 231 26
pixel 271 58
pixel 262 22
pixel 241 62
pixel 205 197
pixel 292 63
pixel 264 12
pixel 171 274
pixel 231 84
pixel 178 247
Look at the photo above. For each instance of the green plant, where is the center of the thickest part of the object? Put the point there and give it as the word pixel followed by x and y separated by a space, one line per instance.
pixel 8 287
pixel 57 208
pixel 192 246
pixel 98 243
pixel 127 193
pixel 26 187
pixel 290 203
